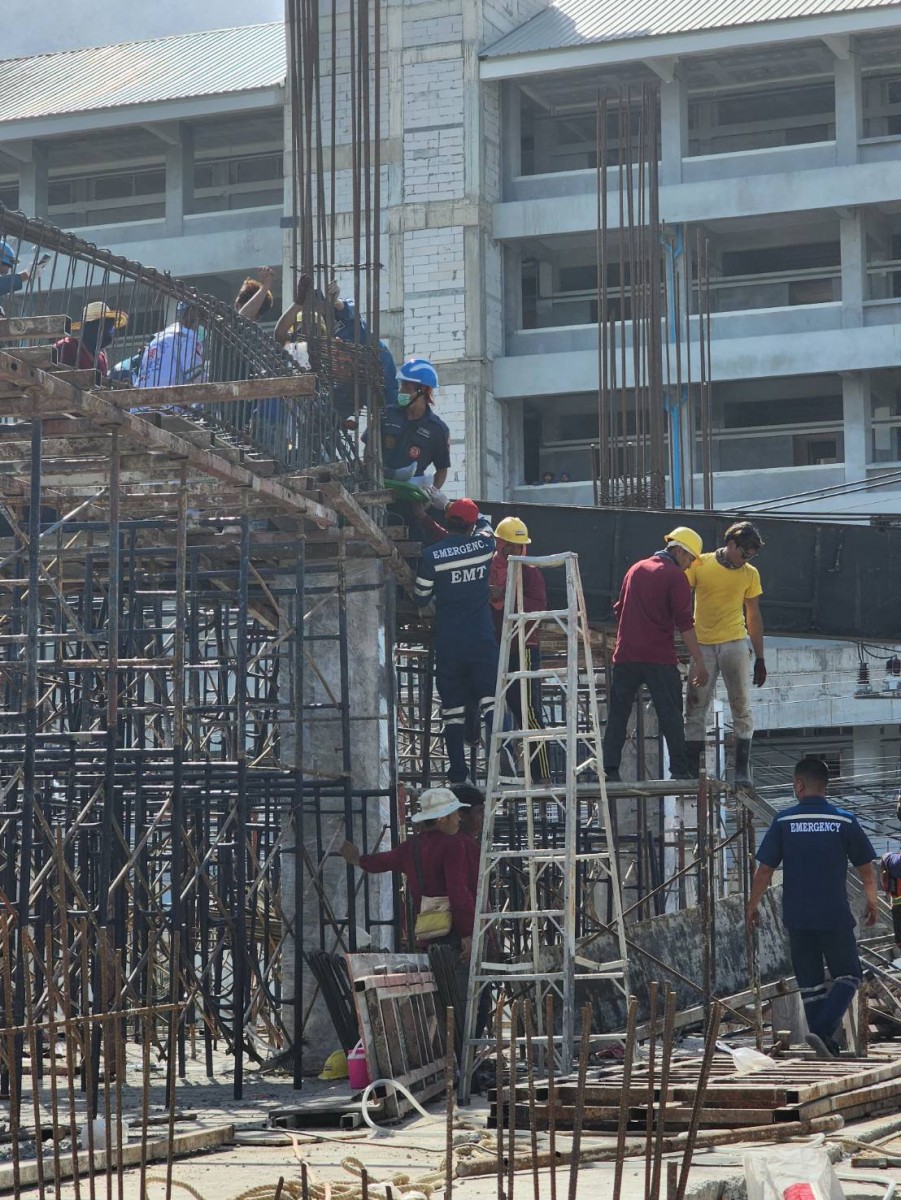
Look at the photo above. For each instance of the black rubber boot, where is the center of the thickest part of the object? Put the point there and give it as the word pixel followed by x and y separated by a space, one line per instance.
pixel 694 754
pixel 742 760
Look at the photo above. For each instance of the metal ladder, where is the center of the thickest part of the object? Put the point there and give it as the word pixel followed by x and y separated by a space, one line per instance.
pixel 547 847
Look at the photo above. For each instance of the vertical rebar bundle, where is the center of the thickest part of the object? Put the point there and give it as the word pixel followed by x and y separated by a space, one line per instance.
pixel 653 320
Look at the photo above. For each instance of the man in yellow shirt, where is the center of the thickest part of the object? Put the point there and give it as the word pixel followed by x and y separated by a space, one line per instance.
pixel 727 614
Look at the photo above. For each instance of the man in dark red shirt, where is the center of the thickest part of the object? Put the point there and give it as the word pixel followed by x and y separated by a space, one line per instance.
pixel 655 600
pixel 443 862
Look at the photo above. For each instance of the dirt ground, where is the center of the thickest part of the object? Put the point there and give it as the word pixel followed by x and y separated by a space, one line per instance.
pixel 408 1153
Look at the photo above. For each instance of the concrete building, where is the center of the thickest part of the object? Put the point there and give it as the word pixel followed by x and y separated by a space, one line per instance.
pixel 167 151
pixel 781 141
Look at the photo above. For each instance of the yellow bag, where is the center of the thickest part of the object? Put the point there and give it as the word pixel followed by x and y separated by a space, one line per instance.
pixel 434 919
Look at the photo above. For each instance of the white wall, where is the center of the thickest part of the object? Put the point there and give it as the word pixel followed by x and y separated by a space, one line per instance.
pixel 64 25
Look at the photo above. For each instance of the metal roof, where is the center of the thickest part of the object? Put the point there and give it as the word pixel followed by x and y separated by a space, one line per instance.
pixel 171 68
pixel 582 22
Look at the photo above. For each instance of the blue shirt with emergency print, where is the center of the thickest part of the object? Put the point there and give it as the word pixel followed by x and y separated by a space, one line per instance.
pixel 814 841
pixel 454 572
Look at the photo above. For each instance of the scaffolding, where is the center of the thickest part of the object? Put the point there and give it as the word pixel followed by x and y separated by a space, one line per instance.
pixel 176 727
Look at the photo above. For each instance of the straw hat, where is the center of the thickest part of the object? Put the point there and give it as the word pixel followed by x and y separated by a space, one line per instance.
pixel 435 803
pixel 98 311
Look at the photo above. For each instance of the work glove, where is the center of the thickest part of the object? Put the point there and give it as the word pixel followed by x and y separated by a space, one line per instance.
pixel 333 292
pixel 302 290
pixel 436 499
pixel 759 672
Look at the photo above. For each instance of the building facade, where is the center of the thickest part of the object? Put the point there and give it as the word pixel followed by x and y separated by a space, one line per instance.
pixel 781 143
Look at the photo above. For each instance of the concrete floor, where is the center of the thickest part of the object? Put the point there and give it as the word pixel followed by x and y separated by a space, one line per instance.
pixel 414 1149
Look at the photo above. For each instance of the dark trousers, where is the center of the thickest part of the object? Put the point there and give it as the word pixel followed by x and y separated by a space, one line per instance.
pixel 825 1004
pixel 665 685
pixel 466 675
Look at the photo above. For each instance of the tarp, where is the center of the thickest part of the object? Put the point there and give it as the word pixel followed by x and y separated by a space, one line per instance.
pixel 819 579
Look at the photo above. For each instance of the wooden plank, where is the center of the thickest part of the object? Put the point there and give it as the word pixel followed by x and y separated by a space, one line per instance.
pixel 157 1151
pixel 185 395
pixel 91 404
pixel 12 328
pixel 852 1099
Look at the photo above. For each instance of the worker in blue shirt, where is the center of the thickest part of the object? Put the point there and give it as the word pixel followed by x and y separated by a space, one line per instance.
pixel 345 327
pixel 10 279
pixel 814 841
pixel 454 573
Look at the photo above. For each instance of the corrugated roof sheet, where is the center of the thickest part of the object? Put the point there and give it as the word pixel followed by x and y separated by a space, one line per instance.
pixel 170 68
pixel 581 22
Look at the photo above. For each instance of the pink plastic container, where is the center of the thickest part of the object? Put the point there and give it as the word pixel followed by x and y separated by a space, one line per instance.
pixel 357 1071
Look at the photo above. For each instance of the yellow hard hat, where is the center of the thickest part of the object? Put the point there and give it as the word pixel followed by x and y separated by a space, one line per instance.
pixel 511 529
pixel 687 539
pixel 335 1066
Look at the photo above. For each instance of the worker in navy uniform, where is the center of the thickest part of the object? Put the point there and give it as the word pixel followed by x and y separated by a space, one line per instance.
pixel 454 573
pixel 814 841
pixel 414 438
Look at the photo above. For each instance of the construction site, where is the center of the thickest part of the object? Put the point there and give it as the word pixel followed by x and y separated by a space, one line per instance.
pixel 221 677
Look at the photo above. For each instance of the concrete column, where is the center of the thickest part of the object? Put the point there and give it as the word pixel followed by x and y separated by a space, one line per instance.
pixel 33 181
pixel 848 104
pixel 179 179
pixel 857 413
pixel 673 129
pixel 852 235
pixel 322 758
pixel 867 741
pixel 511 135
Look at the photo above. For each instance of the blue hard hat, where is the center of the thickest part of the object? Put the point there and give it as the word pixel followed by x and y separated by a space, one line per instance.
pixel 418 370
pixel 7 255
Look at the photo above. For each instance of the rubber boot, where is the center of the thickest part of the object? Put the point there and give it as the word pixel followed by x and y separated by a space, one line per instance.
pixel 742 760
pixel 694 754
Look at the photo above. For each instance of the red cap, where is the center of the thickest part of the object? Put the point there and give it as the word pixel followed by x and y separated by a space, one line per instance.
pixel 464 511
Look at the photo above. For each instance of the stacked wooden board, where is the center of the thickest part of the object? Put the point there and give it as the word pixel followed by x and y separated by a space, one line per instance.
pixel 797 1089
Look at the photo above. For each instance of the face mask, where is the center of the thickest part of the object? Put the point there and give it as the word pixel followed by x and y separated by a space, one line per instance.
pixel 405 398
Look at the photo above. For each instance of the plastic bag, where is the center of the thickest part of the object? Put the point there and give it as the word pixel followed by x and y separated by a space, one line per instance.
pixel 793 1173
pixel 745 1060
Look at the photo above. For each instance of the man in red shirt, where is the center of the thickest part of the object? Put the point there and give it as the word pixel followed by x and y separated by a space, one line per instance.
pixel 443 866
pixel 655 600
pixel 85 347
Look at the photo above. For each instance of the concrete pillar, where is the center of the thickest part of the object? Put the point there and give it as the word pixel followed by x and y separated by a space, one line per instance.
pixel 848 104
pixel 867 740
pixel 322 758
pixel 857 411
pixel 179 179
pixel 33 182
pixel 511 134
pixel 852 236
pixel 673 129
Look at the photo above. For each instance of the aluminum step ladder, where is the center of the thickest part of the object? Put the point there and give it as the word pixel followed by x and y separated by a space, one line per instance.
pixel 547 850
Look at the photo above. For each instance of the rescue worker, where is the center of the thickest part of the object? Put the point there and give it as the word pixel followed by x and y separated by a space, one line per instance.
pixel 512 536
pixel 655 600
pixel 813 842
pixel 454 573
pixel 414 437
pixel 727 614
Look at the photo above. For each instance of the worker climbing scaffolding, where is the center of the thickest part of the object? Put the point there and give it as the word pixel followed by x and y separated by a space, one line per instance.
pixel 453 572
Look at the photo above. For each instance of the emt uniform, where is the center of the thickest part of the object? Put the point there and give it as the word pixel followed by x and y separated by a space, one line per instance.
pixel 454 572
pixel 813 842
